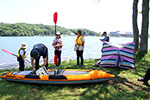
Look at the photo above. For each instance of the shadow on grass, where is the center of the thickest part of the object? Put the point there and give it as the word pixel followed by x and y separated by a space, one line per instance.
pixel 118 89
pixel 122 87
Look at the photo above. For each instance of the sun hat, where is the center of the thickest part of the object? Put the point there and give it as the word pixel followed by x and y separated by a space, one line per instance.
pixel 58 33
pixel 23 45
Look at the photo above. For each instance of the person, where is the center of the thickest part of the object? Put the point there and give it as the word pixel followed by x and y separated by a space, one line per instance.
pixel 21 56
pixel 106 38
pixel 57 44
pixel 146 78
pixel 38 51
pixel 79 46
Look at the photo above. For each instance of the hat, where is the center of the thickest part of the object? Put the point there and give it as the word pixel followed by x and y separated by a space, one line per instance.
pixel 104 33
pixel 35 53
pixel 23 45
pixel 58 33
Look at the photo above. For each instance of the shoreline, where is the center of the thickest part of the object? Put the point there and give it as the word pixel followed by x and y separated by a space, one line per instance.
pixel 27 64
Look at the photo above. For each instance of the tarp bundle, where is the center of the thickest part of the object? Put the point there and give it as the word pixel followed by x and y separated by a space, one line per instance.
pixel 121 55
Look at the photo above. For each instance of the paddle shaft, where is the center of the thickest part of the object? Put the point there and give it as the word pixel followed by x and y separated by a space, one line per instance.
pixel 55 29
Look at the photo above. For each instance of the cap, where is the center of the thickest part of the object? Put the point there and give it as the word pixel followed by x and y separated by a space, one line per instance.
pixel 104 33
pixel 35 53
pixel 23 45
pixel 58 33
pixel 79 31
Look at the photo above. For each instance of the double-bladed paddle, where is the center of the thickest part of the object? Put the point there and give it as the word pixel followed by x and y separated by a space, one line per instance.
pixel 12 54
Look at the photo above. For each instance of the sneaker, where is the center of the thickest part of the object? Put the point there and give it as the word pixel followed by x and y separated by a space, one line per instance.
pixel 140 79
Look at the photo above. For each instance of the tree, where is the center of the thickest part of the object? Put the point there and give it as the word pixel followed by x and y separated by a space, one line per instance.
pixel 135 25
pixel 23 29
pixel 145 25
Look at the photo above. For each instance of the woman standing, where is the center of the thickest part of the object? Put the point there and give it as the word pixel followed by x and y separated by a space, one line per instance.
pixel 57 44
pixel 79 46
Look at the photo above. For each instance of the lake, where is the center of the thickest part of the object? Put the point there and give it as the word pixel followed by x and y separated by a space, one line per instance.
pixel 92 47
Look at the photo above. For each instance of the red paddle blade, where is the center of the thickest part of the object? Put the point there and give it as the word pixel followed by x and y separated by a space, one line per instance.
pixel 6 51
pixel 56 60
pixel 55 17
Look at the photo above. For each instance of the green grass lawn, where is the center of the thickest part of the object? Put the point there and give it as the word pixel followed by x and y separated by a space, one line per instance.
pixel 124 87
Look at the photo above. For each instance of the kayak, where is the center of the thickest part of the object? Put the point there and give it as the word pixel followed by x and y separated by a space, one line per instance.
pixel 59 76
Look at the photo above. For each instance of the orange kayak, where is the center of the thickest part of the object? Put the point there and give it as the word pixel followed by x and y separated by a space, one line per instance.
pixel 59 76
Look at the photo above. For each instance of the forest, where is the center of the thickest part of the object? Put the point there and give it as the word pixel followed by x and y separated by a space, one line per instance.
pixel 24 29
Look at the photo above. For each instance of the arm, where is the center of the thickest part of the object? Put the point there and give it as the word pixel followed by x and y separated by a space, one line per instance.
pixel 23 58
pixel 45 61
pixel 101 39
pixel 32 63
pixel 61 44
pixel 105 39
pixel 83 42
pixel 54 44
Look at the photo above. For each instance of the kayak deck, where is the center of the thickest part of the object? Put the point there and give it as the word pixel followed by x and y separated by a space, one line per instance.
pixel 59 76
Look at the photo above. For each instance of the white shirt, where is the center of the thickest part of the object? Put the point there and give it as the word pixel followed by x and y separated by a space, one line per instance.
pixel 21 52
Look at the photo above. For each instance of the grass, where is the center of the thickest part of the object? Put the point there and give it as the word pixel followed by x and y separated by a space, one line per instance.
pixel 124 87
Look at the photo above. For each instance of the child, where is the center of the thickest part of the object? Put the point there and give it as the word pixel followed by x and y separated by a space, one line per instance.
pixel 21 56
pixel 57 44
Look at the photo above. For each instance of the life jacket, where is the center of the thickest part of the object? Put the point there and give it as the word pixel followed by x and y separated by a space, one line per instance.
pixel 58 42
pixel 18 55
pixel 78 40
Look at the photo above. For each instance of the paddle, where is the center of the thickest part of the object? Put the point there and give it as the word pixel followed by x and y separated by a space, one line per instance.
pixel 12 54
pixel 55 20
pixel 56 59
pixel 8 52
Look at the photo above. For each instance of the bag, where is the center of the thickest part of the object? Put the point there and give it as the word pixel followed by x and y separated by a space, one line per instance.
pixel 41 71
pixel 76 47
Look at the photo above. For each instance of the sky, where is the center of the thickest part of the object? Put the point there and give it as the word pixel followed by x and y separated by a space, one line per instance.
pixel 95 15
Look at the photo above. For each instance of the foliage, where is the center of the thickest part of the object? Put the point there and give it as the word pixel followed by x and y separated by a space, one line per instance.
pixel 124 87
pixel 23 29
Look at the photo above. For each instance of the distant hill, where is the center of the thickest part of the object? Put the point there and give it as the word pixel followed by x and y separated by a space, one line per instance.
pixel 24 29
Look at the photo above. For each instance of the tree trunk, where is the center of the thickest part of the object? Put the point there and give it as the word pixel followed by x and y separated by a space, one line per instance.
pixel 135 25
pixel 145 24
